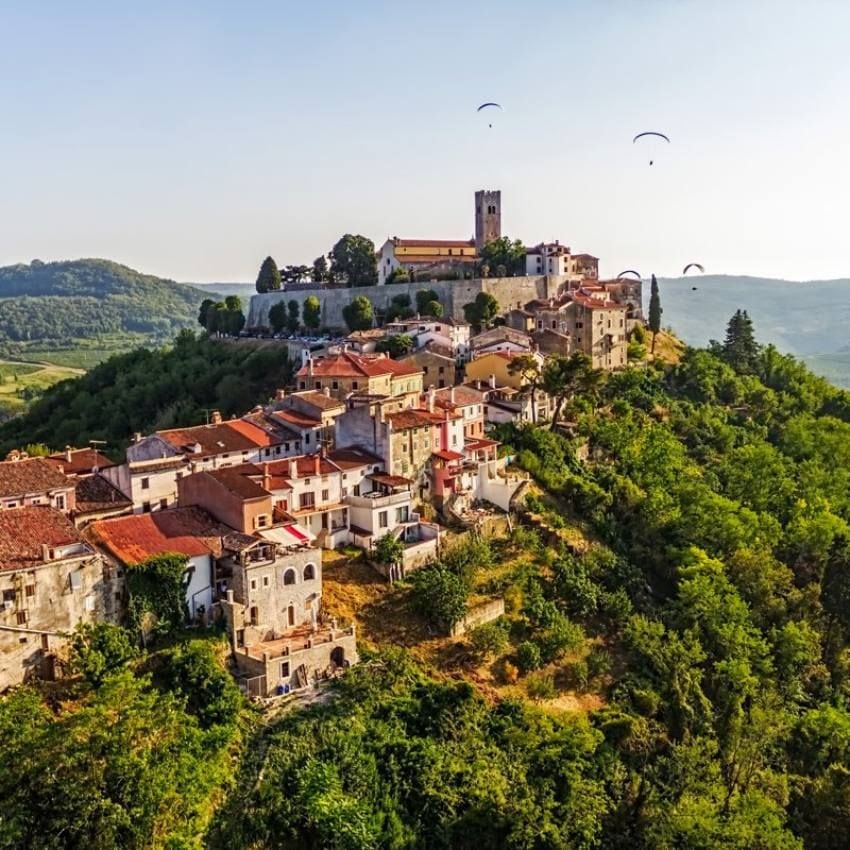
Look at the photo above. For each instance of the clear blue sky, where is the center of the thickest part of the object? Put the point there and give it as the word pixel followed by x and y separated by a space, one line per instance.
pixel 192 139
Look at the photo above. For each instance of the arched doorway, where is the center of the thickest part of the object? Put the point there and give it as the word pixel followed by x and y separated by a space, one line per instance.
pixel 290 615
pixel 338 656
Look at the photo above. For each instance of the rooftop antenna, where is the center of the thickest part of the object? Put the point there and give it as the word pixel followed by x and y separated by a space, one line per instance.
pixel 94 447
pixel 207 412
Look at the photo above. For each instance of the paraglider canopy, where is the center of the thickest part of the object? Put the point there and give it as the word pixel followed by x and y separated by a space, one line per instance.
pixel 629 271
pixel 690 266
pixel 651 133
pixel 490 105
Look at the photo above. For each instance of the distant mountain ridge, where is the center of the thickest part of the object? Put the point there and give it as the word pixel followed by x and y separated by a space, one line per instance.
pixel 809 319
pixel 61 301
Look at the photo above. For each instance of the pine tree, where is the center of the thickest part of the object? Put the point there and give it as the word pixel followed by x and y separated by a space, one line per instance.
pixel 740 349
pixel 268 280
pixel 655 311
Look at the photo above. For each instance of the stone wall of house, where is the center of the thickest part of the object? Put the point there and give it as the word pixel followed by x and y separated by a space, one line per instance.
pixel 478 615
pixel 53 599
pixel 453 294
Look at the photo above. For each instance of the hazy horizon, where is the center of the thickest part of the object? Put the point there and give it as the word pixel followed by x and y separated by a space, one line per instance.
pixel 191 144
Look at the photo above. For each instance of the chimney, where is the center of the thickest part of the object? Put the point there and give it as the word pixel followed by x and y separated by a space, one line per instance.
pixel 452 395
pixel 280 395
pixel 215 417
pixel 432 395
pixel 229 596
pixel 46 554
pixel 310 365
pixel 68 456
pixel 328 392
pixel 267 477
pixel 492 382
pixel 137 437
pixel 317 463
pixel 293 468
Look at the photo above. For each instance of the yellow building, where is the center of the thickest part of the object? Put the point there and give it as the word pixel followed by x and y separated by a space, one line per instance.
pixel 421 254
pixel 493 369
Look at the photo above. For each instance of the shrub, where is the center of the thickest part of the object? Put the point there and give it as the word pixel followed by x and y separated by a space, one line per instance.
pixel 576 673
pixel 440 596
pixel 528 656
pixel 598 663
pixel 98 649
pixel 616 606
pixel 541 686
pixel 490 638
pixel 194 672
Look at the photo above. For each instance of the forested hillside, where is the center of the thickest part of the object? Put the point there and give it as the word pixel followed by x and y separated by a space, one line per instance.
pixel 692 576
pixel 148 389
pixel 53 305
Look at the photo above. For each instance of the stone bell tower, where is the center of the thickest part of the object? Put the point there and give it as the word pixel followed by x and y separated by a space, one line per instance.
pixel 488 217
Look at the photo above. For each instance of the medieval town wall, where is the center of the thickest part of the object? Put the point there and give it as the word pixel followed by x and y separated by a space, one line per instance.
pixel 454 295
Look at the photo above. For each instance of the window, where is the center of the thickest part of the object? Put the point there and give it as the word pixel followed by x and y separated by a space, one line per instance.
pixel 306 439
pixel 306 501
pixel 262 521
pixel 284 669
pixel 22 618
pixel 402 514
pixel 382 520
pixel 146 484
pixel 60 501
pixel 442 369
pixel 265 581
pixel 286 447
pixel 163 504
pixel 325 495
pixel 309 572
pixel 253 584
pixel 29 590
pixel 302 385
pixel 354 385
pixel 289 577
pixel 45 643
pixel 8 595
pixel 335 385
pixel 240 637
pixel 356 489
pixel 425 370
pixel 146 507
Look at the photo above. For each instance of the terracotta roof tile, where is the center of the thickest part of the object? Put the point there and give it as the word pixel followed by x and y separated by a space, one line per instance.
pixel 95 493
pixel 433 243
pixel 23 532
pixel 186 531
pixel 31 475
pixel 353 457
pixel 81 462
pixel 213 439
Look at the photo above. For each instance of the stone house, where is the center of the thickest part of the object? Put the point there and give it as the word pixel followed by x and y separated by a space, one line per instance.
pixel 439 367
pixel 503 338
pixel 419 256
pixel 346 373
pixel 51 580
pixel 312 414
pixel 468 403
pixel 447 333
pixel 271 601
pixel 493 369
pixel 184 531
pixel 26 481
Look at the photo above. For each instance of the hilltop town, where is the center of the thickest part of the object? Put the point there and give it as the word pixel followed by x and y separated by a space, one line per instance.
pixel 384 453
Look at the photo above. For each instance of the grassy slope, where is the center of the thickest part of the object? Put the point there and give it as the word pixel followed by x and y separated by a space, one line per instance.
pixel 17 378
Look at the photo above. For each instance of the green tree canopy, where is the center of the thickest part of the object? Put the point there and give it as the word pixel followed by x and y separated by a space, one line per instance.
pixel 353 261
pixel 654 311
pixel 481 312
pixel 312 312
pixel 359 315
pixel 504 254
pixel 278 316
pixel 268 279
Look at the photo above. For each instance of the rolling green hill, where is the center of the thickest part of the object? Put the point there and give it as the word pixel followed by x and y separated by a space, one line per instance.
pixel 808 319
pixel 80 311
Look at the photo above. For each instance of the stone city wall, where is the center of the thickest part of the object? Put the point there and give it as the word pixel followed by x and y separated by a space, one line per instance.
pixel 453 294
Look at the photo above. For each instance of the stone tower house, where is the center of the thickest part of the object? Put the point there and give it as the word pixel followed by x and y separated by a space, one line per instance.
pixel 488 217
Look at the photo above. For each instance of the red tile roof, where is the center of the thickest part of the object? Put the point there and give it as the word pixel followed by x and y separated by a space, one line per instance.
pixel 351 365
pixel 82 461
pixel 23 532
pixel 240 480
pixel 435 259
pixel 353 457
pixel 186 531
pixel 415 418
pixel 30 476
pixel 296 418
pixel 95 493
pixel 318 400
pixel 446 454
pixel 433 243
pixel 454 397
pixel 213 439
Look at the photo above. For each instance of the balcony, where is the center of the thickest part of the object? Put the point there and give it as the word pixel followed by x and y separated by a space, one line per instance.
pixel 376 499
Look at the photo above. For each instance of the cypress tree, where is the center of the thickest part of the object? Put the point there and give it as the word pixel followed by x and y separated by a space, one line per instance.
pixel 655 311
pixel 268 280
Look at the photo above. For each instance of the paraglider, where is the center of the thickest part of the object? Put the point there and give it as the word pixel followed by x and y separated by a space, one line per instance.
pixel 693 289
pixel 629 271
pixel 490 105
pixel 651 133
pixel 693 266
